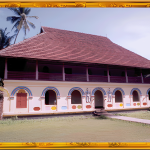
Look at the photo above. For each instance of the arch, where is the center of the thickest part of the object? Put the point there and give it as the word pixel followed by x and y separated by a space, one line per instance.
pixel 148 91
pixel 21 87
pixel 118 96
pixel 98 88
pixel 118 89
pixel 135 96
pixel 135 89
pixel 99 99
pixel 50 97
pixel 50 88
pixel 76 88
pixel 76 97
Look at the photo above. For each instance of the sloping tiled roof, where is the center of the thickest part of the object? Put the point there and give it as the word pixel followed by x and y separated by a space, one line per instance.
pixel 56 44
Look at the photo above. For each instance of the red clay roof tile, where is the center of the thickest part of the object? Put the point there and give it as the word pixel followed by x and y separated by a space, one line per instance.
pixel 56 44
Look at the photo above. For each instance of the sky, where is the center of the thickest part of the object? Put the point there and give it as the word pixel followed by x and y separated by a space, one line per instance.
pixel 127 27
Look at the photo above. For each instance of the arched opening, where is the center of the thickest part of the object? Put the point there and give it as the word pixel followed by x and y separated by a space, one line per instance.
pixel 118 96
pixel 21 99
pixel 76 97
pixel 50 98
pixel 99 99
pixel 135 96
pixel 149 95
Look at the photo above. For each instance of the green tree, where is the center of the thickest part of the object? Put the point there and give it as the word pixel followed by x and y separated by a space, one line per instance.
pixel 5 39
pixel 20 21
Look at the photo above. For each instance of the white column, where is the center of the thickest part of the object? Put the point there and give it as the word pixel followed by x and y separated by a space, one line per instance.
pixel 108 74
pixel 87 74
pixel 83 103
pixel 57 105
pixel 43 104
pixel 126 75
pixel 63 72
pixel 69 103
pixel 5 77
pixel 37 70
pixel 30 105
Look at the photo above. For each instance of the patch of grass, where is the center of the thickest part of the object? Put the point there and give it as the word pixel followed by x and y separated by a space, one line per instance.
pixel 102 117
pixel 137 114
pixel 73 129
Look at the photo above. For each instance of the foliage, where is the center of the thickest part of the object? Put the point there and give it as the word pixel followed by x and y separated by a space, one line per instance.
pixel 20 21
pixel 5 39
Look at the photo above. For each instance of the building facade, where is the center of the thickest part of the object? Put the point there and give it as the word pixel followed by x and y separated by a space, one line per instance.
pixel 62 71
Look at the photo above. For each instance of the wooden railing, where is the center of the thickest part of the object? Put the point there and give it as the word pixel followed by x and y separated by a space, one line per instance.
pixel 117 79
pixel 19 75
pixel 50 76
pixel 75 77
pixel 134 80
pixel 98 78
pixel 146 80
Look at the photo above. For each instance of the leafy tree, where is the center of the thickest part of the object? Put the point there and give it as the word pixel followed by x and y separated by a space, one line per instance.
pixel 21 19
pixel 5 39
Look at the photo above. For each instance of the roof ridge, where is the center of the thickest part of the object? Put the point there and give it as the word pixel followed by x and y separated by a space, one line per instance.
pixel 77 32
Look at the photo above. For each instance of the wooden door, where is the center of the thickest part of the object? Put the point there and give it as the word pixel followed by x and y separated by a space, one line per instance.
pixel 21 100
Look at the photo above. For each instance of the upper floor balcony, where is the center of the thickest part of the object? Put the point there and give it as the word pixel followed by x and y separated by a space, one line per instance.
pixel 19 69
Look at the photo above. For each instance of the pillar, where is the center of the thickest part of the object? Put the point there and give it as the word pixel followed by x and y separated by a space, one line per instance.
pixel 37 70
pixel 87 74
pixel 5 76
pixel 126 75
pixel 63 72
pixel 108 74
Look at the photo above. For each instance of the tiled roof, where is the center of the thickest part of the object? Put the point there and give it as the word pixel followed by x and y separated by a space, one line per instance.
pixel 56 44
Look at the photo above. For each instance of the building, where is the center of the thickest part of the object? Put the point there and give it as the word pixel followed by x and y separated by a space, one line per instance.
pixel 59 71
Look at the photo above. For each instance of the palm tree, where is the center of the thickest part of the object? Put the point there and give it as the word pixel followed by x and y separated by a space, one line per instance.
pixel 5 39
pixel 21 19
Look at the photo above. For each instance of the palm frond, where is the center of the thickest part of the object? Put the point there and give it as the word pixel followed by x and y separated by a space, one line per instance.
pixel 5 39
pixel 21 10
pixel 16 24
pixel 16 31
pixel 12 37
pixel 15 10
pixel 33 17
pixel 12 19
pixel 31 24
pixel 27 11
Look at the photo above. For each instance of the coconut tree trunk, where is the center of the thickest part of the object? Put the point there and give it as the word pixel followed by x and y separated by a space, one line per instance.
pixel 16 36
pixel 1 105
